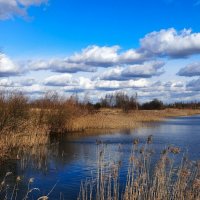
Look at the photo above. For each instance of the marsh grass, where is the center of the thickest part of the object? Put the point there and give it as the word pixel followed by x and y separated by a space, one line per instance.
pixel 105 119
pixel 26 125
pixel 145 180
pixel 12 144
pixel 13 192
pixel 14 111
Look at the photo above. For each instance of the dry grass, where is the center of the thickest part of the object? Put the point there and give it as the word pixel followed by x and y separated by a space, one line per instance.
pixel 13 193
pixel 117 119
pixel 163 180
pixel 30 137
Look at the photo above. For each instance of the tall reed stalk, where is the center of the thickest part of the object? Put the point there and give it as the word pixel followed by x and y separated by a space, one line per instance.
pixel 145 180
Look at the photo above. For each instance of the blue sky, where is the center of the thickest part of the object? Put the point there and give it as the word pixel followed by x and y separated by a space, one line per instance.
pixel 99 46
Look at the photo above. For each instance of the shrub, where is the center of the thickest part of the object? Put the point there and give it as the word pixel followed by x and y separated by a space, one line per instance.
pixel 14 110
pixel 153 105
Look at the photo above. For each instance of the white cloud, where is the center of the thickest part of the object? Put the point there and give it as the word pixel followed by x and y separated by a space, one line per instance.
pixel 170 86
pixel 61 80
pixel 169 91
pixel 190 70
pixel 76 84
pixel 7 67
pixel 164 43
pixel 171 43
pixel 95 55
pixel 106 56
pixel 108 85
pixel 69 83
pixel 146 70
pixel 12 8
pixel 117 85
pixel 113 73
pixel 27 82
pixel 132 56
pixel 127 70
pixel 88 60
pixel 34 89
pixel 193 85
pixel 31 2
pixel 6 82
pixel 59 65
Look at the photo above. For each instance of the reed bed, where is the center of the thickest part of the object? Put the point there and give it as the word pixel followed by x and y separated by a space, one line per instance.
pixel 12 143
pixel 116 119
pixel 6 192
pixel 145 180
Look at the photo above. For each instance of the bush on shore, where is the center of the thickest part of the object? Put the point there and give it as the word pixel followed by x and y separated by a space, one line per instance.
pixel 14 111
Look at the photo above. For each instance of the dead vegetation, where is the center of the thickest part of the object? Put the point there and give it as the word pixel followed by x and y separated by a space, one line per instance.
pixel 145 180
pixel 107 119
pixel 24 123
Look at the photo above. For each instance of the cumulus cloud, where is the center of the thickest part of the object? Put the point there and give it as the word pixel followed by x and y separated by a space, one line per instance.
pixel 117 85
pixel 96 56
pixel 61 80
pixel 146 70
pixel 69 83
pixel 34 89
pixel 26 85
pixel 111 74
pixel 7 67
pixel 164 43
pixel 171 43
pixel 190 70
pixel 5 82
pixel 59 65
pixel 163 90
pixel 88 60
pixel 106 56
pixel 31 2
pixel 127 70
pixel 27 82
pixel 169 91
pixel 168 86
pixel 76 84
pixel 132 56
pixel 193 85
pixel 12 8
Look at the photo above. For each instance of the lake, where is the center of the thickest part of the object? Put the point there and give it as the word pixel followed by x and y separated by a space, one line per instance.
pixel 71 159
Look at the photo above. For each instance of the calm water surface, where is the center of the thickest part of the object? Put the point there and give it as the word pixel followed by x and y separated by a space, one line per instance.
pixel 70 160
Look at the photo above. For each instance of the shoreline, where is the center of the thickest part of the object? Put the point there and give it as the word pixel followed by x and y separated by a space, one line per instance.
pixel 115 119
pixel 105 121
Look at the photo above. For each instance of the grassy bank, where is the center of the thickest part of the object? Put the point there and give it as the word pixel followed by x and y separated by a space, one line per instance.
pixel 116 119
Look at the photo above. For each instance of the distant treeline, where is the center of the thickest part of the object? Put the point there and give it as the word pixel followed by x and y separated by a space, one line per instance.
pixel 185 105
pixel 127 103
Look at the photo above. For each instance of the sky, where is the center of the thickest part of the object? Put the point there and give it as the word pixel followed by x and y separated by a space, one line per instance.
pixel 96 47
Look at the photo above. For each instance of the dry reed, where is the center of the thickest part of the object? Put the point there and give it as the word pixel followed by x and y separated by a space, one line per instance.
pixel 117 119
pixel 145 180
